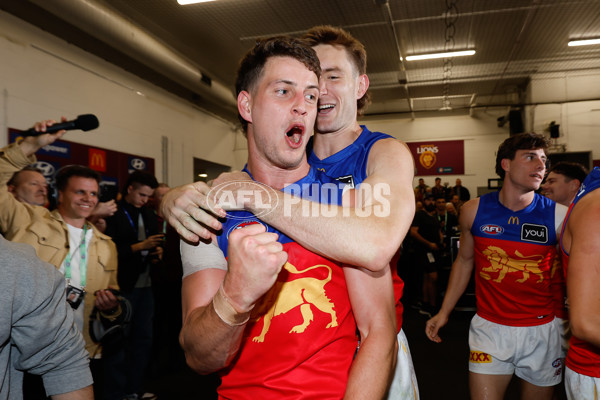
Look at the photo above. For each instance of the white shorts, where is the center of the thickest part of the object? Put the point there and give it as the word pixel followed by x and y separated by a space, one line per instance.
pixel 565 333
pixel 581 387
pixel 533 353
pixel 404 385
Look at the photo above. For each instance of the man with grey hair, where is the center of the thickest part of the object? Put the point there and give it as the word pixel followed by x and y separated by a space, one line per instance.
pixel 29 186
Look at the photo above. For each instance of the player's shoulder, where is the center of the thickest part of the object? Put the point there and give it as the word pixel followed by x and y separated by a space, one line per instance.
pixel 588 206
pixel 389 146
pixel 468 210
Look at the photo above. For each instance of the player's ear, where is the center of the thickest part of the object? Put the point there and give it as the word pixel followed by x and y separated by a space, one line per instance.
pixel 363 85
pixel 244 102
pixel 505 164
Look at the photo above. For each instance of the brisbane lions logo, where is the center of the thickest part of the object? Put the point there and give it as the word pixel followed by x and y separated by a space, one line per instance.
pixel 501 263
pixel 304 292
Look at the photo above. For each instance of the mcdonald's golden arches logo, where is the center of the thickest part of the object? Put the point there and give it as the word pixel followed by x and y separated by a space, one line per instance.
pixel 513 220
pixel 97 159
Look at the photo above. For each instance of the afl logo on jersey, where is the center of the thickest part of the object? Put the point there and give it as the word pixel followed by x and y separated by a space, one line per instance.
pixel 243 224
pixel 492 229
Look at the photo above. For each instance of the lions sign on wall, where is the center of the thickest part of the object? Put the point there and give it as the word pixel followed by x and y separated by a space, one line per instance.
pixel 439 157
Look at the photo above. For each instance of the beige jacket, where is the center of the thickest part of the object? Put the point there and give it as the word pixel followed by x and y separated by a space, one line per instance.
pixel 48 234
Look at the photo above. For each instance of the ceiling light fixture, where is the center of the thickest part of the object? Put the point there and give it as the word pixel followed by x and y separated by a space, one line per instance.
pixel 186 2
pixel 584 42
pixel 449 54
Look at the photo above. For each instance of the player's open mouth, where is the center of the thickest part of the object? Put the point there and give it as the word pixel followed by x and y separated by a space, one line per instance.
pixel 325 107
pixel 295 133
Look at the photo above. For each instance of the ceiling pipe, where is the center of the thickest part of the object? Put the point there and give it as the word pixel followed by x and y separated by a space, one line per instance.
pixel 528 18
pixel 403 81
pixel 472 104
pixel 111 28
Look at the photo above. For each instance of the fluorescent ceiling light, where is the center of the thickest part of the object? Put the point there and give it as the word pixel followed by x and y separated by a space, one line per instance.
pixel 185 2
pixel 449 54
pixel 584 42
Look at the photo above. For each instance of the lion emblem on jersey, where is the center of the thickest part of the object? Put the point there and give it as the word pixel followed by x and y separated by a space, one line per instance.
pixel 304 292
pixel 501 263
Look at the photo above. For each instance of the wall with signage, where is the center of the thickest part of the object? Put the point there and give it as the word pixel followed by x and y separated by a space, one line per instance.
pixel 480 137
pixel 113 166
pixel 43 77
pixel 438 157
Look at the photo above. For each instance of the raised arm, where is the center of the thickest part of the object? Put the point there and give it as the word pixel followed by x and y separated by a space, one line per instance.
pixel 31 144
pixel 217 302
pixel 13 213
pixel 583 271
pixel 368 236
pixel 460 274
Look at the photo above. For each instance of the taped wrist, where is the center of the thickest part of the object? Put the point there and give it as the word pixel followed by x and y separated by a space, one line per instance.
pixel 225 310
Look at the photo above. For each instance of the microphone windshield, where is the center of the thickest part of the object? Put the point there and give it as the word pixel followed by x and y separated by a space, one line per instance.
pixel 86 122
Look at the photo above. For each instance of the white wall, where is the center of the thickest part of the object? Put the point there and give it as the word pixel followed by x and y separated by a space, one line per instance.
pixel 43 77
pixel 577 108
pixel 571 100
pixel 480 133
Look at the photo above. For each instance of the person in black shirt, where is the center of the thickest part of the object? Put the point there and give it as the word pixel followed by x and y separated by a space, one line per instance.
pixel 461 191
pixel 426 232
pixel 134 229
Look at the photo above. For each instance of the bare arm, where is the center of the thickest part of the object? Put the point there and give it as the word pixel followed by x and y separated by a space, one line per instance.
pixel 217 303
pixel 368 235
pixel 86 393
pixel 372 299
pixel 583 271
pixel 208 342
pixel 460 274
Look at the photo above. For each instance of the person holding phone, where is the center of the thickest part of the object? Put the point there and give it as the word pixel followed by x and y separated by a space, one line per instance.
pixel 134 229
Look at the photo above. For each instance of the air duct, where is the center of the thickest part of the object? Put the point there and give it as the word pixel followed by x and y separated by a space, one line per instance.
pixel 110 27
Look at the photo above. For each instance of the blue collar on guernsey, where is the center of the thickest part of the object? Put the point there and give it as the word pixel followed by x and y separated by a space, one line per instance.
pixel 315 186
pixel 590 183
pixel 310 187
pixel 341 155
pixel 310 177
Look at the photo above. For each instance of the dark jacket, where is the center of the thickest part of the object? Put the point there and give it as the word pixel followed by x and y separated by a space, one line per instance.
pixel 122 228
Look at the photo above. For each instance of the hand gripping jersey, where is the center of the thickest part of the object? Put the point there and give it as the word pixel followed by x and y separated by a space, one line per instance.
pixel 514 254
pixel 301 337
pixel 582 357
pixel 349 166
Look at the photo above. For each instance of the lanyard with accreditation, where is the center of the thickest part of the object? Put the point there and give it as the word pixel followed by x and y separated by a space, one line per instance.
pixel 74 294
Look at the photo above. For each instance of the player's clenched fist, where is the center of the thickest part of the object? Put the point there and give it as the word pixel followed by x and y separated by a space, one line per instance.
pixel 255 258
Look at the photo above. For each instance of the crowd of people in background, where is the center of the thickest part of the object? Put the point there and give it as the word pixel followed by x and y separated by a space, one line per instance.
pixel 120 261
